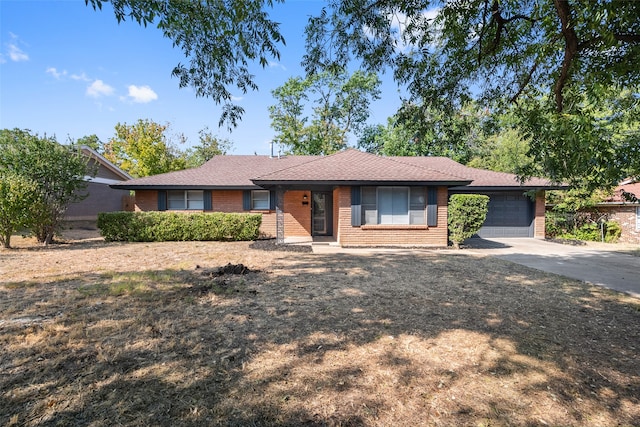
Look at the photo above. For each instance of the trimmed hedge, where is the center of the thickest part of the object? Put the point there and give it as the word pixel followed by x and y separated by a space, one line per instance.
pixel 467 213
pixel 173 226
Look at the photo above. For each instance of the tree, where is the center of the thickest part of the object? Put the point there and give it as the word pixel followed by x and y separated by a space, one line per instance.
pixel 209 146
pixel 340 107
pixel 416 131
pixel 18 195
pixel 555 60
pixel 57 171
pixel 143 149
pixel 91 141
pixel 219 39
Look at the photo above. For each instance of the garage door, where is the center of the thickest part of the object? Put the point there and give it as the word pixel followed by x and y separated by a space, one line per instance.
pixel 509 215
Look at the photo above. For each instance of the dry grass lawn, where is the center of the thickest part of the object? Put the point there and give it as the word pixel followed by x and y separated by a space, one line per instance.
pixel 143 334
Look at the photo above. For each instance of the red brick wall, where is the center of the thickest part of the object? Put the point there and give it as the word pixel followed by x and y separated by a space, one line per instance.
pixel 539 219
pixel 625 215
pixel 146 200
pixel 297 217
pixel 226 200
pixel 382 235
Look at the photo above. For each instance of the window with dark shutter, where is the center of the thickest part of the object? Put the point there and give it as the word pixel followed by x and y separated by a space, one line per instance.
pixel 432 206
pixel 356 208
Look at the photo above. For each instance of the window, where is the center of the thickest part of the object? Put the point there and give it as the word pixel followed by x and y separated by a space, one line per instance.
pixel 393 205
pixel 260 199
pixel 638 218
pixel 185 200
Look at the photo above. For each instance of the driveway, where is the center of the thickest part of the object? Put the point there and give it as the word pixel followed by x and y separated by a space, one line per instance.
pixel 611 266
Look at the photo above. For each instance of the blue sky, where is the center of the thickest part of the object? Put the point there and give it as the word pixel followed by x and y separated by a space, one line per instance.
pixel 69 71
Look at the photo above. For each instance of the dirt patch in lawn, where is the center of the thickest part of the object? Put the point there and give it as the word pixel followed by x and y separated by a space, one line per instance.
pixel 237 334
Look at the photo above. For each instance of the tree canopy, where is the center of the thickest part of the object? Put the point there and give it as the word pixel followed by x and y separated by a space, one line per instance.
pixel 219 39
pixel 340 106
pixel 559 62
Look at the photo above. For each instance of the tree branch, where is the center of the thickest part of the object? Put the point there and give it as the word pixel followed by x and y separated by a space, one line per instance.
pixel 524 83
pixel 570 50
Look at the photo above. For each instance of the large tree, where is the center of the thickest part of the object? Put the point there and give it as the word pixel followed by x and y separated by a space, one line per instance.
pixel 339 107
pixel 555 59
pixel 143 149
pixel 58 173
pixel 209 146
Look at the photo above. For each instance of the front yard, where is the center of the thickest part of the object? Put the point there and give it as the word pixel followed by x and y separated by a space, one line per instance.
pixel 161 334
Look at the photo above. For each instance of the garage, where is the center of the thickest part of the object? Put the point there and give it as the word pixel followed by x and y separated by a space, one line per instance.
pixel 510 214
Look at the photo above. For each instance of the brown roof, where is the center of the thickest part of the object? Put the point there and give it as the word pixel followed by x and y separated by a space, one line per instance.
pixel 618 193
pixel 353 166
pixel 347 167
pixel 480 177
pixel 228 171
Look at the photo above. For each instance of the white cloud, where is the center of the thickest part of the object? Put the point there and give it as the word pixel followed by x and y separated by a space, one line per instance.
pixel 142 94
pixel 55 73
pixel 15 53
pixel 81 77
pixel 236 98
pixel 99 88
pixel 399 23
pixel 274 64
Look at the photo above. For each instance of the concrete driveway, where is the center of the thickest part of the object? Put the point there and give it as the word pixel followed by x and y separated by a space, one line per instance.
pixel 611 266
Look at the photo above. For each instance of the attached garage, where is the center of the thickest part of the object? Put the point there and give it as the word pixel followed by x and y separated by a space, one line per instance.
pixel 510 214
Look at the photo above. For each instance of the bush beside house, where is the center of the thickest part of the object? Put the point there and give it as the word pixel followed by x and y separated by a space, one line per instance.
pixel 172 226
pixel 467 213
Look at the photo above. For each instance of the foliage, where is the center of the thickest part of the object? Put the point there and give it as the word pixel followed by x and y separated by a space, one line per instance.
pixel 143 149
pixel 209 146
pixel 588 225
pixel 173 226
pixel 341 106
pixel 91 141
pixel 219 39
pixel 416 130
pixel 557 61
pixel 505 151
pixel 18 195
pixel 58 172
pixel 466 213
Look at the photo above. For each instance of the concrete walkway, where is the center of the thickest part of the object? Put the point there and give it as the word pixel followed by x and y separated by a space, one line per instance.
pixel 612 266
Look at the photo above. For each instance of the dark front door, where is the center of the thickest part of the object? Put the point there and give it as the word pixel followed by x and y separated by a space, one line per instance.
pixel 322 213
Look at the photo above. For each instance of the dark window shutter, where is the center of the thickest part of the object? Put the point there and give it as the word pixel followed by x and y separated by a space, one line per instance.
pixel 246 200
pixel 272 200
pixel 356 207
pixel 432 206
pixel 162 200
pixel 208 206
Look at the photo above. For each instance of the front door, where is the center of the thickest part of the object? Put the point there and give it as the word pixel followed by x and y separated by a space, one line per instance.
pixel 322 213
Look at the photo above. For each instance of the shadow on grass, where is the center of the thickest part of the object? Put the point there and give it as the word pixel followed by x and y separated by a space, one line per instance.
pixel 322 340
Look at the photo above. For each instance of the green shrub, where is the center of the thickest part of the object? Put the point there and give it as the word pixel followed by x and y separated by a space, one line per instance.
pixel 467 213
pixel 173 226
pixel 613 231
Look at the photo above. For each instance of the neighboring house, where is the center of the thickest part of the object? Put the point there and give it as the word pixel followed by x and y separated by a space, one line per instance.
pixel 626 213
pixel 355 198
pixel 101 197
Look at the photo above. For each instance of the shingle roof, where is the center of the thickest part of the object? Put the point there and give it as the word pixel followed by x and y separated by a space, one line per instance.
pixel 229 171
pixel 349 166
pixel 353 166
pixel 618 193
pixel 481 177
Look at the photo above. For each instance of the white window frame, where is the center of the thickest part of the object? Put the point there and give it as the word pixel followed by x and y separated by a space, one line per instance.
pixel 260 204
pixel 638 218
pixel 190 200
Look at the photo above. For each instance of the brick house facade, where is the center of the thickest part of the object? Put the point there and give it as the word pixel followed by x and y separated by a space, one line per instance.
pixel 353 198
